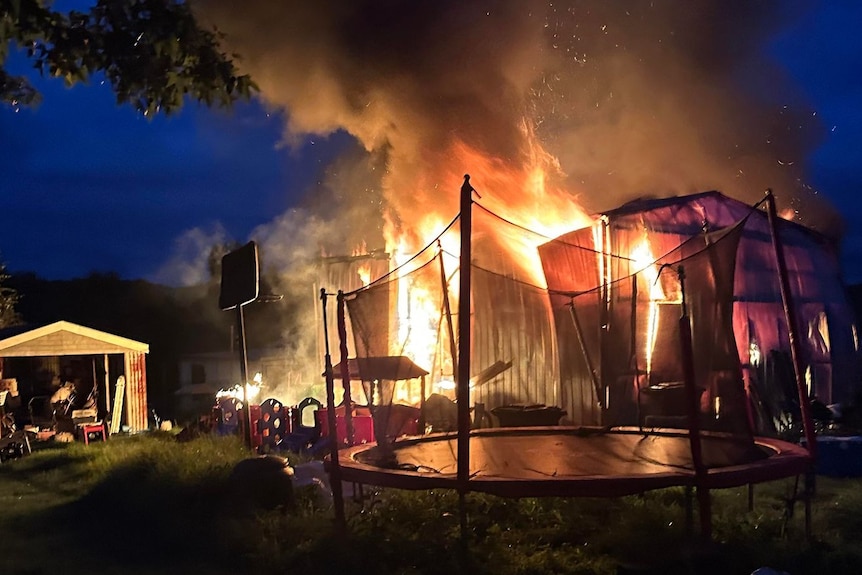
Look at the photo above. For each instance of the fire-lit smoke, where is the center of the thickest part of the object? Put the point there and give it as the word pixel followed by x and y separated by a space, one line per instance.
pixel 556 110
pixel 632 98
pixel 189 261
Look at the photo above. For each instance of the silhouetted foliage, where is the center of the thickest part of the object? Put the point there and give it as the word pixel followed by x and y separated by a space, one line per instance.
pixel 8 301
pixel 152 52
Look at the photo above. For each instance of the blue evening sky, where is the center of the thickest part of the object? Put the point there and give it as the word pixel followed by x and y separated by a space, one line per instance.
pixel 86 185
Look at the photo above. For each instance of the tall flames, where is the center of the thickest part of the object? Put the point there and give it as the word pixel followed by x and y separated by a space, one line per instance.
pixel 644 262
pixel 521 208
pixel 548 106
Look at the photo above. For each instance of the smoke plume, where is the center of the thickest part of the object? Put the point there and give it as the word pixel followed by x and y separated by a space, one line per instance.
pixel 631 98
pixel 608 101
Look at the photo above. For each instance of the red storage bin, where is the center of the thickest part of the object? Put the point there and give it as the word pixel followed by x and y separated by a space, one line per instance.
pixel 363 426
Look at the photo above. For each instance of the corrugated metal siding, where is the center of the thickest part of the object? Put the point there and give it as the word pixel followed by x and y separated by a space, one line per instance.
pixel 512 322
pixel 136 391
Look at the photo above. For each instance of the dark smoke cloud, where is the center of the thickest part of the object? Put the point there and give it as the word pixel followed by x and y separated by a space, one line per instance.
pixel 634 98
pixel 667 98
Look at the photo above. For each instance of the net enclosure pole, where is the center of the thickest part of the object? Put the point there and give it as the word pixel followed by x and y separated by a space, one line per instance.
pixel 692 400
pixel 463 383
pixel 345 367
pixel 795 355
pixel 335 466
pixel 792 326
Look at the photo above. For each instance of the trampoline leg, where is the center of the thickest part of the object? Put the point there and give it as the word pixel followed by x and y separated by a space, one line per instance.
pixel 809 495
pixel 462 514
pixel 704 507
pixel 689 509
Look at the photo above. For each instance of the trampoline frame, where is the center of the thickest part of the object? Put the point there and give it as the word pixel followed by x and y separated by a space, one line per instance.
pixel 783 459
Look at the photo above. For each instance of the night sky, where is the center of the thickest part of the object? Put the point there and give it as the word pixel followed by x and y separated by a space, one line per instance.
pixel 88 186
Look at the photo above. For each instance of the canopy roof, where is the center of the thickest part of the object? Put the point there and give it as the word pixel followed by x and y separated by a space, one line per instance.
pixel 393 367
pixel 63 338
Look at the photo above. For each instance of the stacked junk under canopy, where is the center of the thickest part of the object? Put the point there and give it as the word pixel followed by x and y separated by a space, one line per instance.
pixel 600 342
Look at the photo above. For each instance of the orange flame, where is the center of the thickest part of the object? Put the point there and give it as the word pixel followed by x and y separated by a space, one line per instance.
pixel 644 263
pixel 522 193
pixel 364 273
pixel 788 214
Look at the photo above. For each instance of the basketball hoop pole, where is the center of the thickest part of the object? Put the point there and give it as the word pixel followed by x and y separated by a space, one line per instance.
pixel 240 279
pixel 243 374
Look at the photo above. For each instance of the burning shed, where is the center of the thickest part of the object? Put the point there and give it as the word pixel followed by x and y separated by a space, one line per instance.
pixel 616 291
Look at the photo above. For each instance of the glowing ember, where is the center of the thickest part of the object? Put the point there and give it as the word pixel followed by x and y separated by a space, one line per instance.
pixel 788 214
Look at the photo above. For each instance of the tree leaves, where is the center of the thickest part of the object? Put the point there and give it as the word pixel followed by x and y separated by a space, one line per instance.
pixel 8 300
pixel 154 53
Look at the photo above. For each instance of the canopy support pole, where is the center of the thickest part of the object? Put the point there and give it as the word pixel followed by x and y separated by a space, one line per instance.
pixel 107 386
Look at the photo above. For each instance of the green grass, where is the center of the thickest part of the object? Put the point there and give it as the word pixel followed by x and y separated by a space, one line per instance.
pixel 147 504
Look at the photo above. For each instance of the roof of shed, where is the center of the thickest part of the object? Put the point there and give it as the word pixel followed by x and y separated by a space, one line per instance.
pixel 63 338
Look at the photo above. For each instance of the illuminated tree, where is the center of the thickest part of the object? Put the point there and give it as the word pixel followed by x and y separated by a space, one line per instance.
pixel 152 52
pixel 8 300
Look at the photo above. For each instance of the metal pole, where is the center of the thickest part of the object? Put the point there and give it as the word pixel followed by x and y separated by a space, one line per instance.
pixel 792 331
pixel 107 385
pixel 453 349
pixel 605 356
pixel 700 472
pixel 796 357
pixel 464 338
pixel 463 374
pixel 335 464
pixel 243 374
pixel 347 401
pixel 633 342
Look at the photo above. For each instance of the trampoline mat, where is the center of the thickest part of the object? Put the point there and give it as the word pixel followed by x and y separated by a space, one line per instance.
pixel 573 461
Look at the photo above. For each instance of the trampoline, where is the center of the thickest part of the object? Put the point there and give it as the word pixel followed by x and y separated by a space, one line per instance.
pixel 644 363
pixel 573 461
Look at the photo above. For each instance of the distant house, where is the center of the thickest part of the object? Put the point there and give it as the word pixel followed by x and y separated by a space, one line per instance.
pixel 202 375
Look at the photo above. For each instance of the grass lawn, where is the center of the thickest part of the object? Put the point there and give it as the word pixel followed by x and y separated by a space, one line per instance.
pixel 148 504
